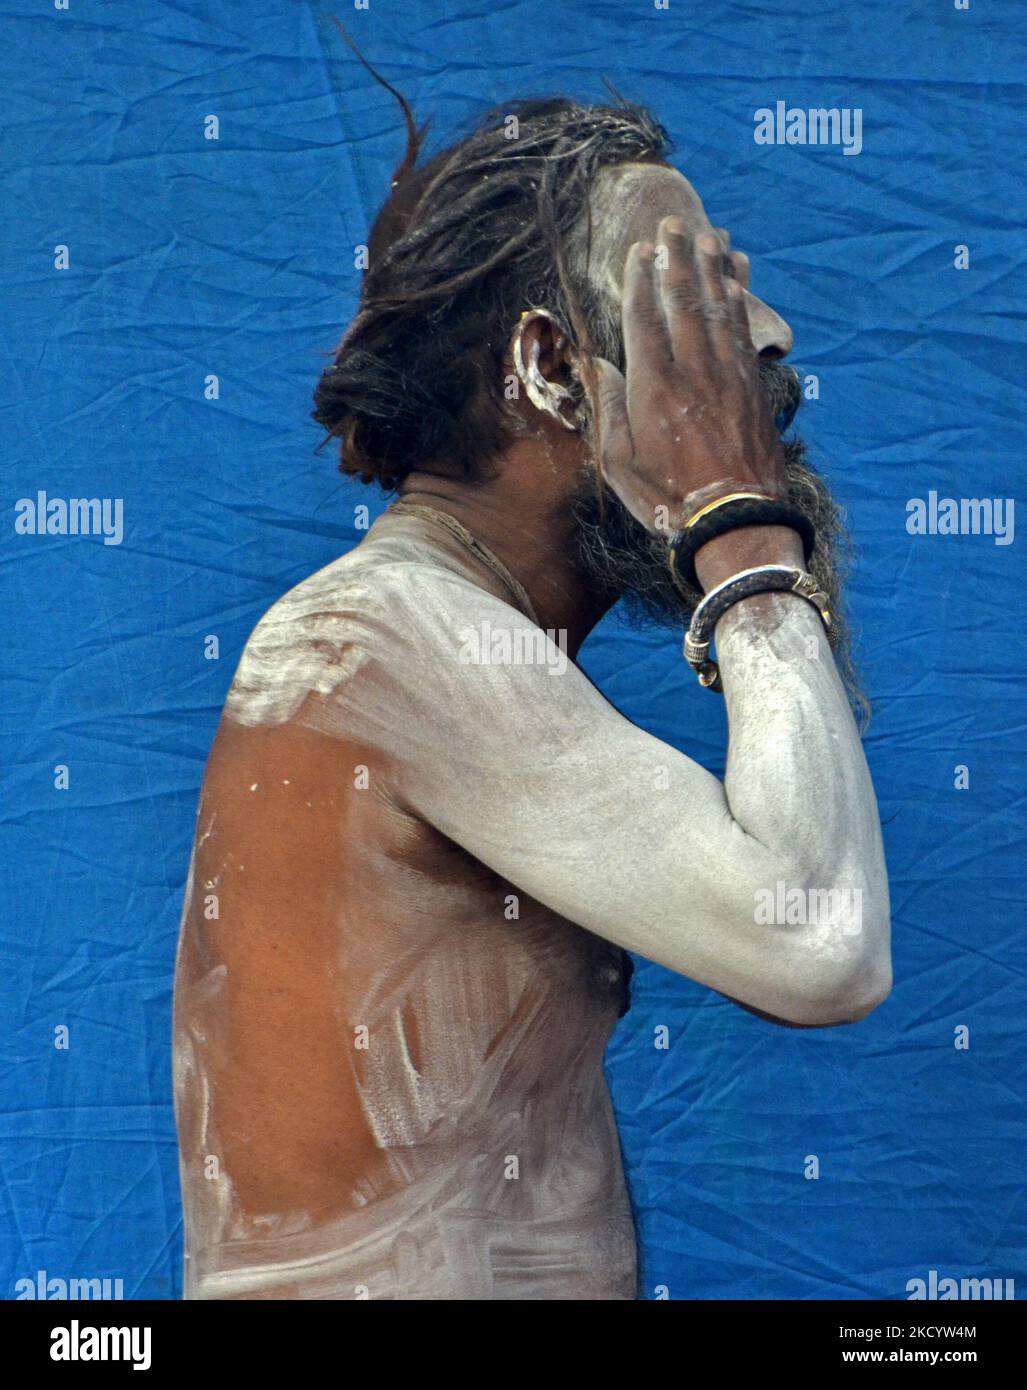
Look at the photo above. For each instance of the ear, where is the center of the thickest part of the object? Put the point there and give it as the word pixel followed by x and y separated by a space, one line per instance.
pixel 540 354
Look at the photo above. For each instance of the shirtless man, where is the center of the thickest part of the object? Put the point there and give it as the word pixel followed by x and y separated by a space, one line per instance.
pixel 425 841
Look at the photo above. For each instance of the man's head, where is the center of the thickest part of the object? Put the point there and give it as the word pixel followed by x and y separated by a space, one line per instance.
pixel 536 209
pixel 462 246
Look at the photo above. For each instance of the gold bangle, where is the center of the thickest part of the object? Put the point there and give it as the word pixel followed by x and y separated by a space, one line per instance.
pixel 704 511
pixel 721 501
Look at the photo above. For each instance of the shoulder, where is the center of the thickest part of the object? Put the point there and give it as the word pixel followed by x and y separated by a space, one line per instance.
pixel 364 608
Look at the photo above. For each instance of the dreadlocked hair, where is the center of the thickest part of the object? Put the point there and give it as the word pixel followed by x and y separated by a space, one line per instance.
pixel 462 245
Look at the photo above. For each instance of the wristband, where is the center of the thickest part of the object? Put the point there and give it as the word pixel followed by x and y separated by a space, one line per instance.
pixel 730 513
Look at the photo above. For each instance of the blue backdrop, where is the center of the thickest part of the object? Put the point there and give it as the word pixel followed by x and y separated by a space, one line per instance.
pixel 188 258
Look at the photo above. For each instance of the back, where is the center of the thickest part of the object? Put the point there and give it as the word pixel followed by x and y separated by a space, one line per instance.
pixel 388 1059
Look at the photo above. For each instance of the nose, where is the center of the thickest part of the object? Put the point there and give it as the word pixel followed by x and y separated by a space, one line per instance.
pixel 771 336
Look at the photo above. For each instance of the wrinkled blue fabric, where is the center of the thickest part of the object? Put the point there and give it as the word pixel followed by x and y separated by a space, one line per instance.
pixel 190 259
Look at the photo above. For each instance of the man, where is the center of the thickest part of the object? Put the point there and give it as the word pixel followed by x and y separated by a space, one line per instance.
pixel 425 840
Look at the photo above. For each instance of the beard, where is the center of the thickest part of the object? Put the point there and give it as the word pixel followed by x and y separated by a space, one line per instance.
pixel 623 561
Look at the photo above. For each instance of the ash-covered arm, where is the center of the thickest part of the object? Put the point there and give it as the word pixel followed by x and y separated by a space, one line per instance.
pixel 769 887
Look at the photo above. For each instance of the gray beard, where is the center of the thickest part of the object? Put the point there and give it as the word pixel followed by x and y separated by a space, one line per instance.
pixel 623 561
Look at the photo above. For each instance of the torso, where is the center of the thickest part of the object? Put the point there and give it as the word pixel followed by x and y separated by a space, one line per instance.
pixel 387 1058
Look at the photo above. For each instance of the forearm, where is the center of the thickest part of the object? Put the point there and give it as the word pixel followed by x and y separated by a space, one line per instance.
pixel 797 782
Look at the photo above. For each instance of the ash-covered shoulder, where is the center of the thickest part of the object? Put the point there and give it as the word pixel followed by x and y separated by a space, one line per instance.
pixel 369 605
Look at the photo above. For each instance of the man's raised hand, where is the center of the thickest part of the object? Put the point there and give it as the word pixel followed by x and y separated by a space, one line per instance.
pixel 690 421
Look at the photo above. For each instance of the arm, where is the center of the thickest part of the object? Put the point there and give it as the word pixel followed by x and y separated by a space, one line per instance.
pixel 531 771
pixel 687 426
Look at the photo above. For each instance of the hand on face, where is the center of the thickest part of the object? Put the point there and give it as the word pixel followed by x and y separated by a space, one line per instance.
pixel 690 420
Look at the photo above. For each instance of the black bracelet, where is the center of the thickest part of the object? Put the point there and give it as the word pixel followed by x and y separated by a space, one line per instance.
pixel 732 513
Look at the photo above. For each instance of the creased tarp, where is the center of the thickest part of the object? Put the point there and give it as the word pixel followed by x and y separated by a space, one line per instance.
pixel 233 259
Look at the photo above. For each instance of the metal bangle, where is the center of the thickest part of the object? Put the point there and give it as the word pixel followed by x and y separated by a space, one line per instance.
pixel 761 579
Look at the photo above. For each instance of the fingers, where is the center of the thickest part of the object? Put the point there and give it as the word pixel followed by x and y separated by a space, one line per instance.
pixel 704 308
pixel 740 320
pixel 717 311
pixel 681 289
pixel 740 265
pixel 676 305
pixel 645 333
pixel 738 260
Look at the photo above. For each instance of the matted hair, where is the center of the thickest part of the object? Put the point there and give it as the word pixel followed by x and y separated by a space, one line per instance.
pixel 463 244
